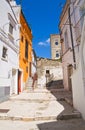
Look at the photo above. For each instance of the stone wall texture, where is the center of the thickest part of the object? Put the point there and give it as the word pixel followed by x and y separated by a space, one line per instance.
pixel 53 66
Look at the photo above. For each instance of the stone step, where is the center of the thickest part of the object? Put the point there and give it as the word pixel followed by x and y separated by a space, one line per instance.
pixel 37 118
pixel 34 100
pixel 74 115
pixel 29 82
pixel 69 100
pixel 41 118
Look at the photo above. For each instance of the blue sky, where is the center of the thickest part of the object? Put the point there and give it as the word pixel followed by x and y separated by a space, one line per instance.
pixel 43 18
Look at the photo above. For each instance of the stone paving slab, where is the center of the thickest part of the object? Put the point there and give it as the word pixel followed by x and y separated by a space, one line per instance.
pixel 23 109
pixel 35 106
pixel 33 96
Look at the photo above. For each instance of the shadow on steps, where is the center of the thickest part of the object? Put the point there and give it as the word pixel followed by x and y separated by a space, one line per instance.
pixel 57 84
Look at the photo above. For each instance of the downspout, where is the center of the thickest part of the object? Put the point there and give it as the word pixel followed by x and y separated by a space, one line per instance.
pixel 71 34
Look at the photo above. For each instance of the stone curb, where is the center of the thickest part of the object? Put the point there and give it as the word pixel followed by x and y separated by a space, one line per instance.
pixel 76 115
pixel 30 91
pixel 69 116
pixel 41 100
pixel 28 119
pixel 61 99
pixel 56 89
pixel 69 101
pixel 33 100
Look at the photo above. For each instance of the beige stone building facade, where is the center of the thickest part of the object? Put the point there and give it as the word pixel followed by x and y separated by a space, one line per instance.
pixel 72 30
pixel 71 22
pixel 55 46
pixel 48 70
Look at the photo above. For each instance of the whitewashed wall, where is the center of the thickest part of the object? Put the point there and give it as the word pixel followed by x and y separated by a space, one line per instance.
pixel 34 63
pixel 8 66
pixel 78 78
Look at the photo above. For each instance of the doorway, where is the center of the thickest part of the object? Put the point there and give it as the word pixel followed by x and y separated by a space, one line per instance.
pixel 30 69
pixel 19 81
pixel 13 81
pixel 70 71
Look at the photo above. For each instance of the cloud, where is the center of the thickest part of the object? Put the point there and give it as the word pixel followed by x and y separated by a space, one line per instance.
pixel 41 43
pixel 48 40
pixel 45 43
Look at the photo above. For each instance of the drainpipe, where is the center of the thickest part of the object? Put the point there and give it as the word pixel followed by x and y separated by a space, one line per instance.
pixel 70 25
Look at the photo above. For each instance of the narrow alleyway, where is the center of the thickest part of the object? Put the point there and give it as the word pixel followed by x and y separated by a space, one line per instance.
pixel 40 109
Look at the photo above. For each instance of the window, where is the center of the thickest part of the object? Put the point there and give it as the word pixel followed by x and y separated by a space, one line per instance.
pixel 27 69
pixel 22 38
pixel 26 49
pixel 30 69
pixel 66 40
pixel 82 13
pixel 57 54
pixel 56 43
pixel 4 53
pixel 47 71
pixel 10 28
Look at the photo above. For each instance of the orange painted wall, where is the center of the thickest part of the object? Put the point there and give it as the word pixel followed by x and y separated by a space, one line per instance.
pixel 25 34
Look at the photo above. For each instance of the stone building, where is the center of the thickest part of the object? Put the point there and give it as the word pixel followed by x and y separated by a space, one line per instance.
pixel 78 76
pixel 48 70
pixel 25 55
pixel 55 46
pixel 73 50
pixel 9 48
pixel 70 29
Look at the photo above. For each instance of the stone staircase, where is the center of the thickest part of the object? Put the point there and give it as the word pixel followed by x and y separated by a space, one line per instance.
pixel 29 83
pixel 38 105
pixel 56 84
